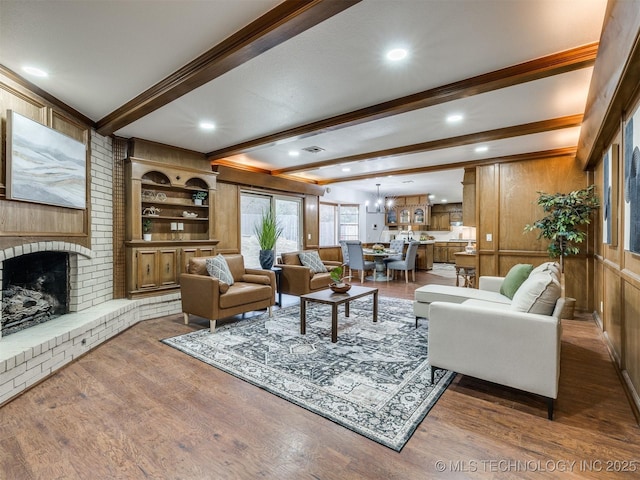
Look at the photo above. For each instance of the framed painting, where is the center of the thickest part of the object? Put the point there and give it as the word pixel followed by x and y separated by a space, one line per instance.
pixel 632 183
pixel 44 165
pixel 609 196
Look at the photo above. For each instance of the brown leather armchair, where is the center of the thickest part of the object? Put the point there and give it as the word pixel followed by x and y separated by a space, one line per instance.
pixel 208 297
pixel 299 280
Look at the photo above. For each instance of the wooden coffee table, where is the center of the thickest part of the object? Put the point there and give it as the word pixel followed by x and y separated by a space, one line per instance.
pixel 328 297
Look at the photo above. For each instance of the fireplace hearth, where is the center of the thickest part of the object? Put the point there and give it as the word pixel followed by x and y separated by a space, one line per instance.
pixel 35 289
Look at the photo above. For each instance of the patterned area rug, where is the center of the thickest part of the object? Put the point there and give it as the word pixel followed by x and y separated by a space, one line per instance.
pixel 374 381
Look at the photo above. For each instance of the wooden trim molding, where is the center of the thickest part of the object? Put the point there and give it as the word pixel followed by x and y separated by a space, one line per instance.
pixel 254 179
pixel 53 101
pixel 555 153
pixel 278 25
pixel 615 80
pixel 486 136
pixel 555 64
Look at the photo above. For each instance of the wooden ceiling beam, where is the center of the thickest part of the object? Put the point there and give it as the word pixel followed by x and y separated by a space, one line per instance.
pixel 554 153
pixel 471 138
pixel 278 25
pixel 555 64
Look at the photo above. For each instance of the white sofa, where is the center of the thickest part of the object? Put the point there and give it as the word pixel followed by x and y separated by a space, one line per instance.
pixel 484 334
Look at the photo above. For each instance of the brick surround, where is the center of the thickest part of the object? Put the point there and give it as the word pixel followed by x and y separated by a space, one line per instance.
pixel 28 356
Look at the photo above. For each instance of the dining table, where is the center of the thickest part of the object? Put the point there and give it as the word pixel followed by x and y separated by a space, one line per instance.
pixel 380 273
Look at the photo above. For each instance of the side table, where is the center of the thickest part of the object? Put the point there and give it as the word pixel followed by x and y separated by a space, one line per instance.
pixel 278 272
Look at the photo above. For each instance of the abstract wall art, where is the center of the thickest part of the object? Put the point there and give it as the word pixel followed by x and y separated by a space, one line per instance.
pixel 44 165
pixel 632 183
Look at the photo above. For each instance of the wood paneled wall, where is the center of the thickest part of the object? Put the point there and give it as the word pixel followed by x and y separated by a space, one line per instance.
pixel 23 222
pixel 613 98
pixel 506 194
pixel 227 212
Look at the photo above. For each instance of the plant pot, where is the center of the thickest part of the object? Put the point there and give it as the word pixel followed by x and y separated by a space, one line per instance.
pixel 146 237
pixel 340 288
pixel 569 308
pixel 267 258
pixel 197 201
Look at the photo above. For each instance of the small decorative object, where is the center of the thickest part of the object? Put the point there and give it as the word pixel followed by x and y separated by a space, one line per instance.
pixel 161 197
pixel 151 211
pixel 377 248
pixel 189 214
pixel 339 285
pixel 148 195
pixel 267 232
pixel 199 197
pixel 146 229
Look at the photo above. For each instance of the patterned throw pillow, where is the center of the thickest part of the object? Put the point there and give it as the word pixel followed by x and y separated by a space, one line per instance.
pixel 218 267
pixel 312 260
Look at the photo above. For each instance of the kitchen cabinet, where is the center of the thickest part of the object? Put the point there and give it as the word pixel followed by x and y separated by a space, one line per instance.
pixel 440 252
pixel 440 221
pixel 408 210
pixel 445 252
pixel 452 249
pixel 425 256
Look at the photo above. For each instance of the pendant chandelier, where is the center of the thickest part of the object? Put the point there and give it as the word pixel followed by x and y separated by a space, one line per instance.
pixel 379 205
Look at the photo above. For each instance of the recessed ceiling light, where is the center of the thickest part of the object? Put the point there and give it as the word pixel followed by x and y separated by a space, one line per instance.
pixel 481 149
pixel 432 196
pixel 294 153
pixel 397 54
pixel 346 169
pixel 444 200
pixel 205 125
pixel 454 118
pixel 36 72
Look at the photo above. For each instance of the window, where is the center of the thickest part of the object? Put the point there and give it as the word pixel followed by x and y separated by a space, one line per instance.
pixel 287 211
pixel 338 222
pixel 328 224
pixel 349 222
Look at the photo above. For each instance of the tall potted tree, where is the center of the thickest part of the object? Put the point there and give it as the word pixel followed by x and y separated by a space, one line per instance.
pixel 267 231
pixel 564 224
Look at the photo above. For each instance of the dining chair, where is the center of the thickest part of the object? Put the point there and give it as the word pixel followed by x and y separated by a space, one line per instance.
pixel 409 262
pixel 345 257
pixel 396 245
pixel 356 259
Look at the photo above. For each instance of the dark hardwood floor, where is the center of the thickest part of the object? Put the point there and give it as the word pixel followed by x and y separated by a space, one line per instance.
pixel 135 408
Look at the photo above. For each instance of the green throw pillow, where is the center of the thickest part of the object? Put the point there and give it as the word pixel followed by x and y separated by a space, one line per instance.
pixel 516 276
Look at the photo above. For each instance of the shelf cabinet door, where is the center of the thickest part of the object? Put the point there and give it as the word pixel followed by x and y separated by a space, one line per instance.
pixel 147 269
pixel 168 268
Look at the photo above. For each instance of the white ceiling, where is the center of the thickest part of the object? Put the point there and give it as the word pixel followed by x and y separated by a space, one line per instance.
pixel 102 53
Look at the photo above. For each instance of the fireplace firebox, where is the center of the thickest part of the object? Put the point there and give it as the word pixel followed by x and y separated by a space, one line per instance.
pixel 35 289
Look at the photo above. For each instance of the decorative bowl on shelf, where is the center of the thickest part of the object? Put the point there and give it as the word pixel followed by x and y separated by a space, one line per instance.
pixel 344 288
pixel 189 214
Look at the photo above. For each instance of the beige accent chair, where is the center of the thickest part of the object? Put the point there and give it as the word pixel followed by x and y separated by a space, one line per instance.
pixel 298 279
pixel 208 297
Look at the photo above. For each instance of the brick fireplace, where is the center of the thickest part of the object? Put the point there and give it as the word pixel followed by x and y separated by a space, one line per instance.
pixel 31 355
pixel 56 269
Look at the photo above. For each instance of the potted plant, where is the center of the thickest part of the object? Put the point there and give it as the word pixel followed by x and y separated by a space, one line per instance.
pixel 339 284
pixel 267 232
pixel 567 214
pixel 146 229
pixel 199 197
